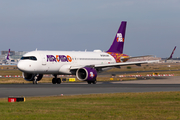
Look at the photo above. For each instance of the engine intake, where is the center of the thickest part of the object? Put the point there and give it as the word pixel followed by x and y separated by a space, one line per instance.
pixel 86 74
pixel 30 77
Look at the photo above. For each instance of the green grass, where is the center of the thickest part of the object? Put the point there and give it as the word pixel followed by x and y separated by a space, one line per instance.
pixel 118 106
pixel 10 72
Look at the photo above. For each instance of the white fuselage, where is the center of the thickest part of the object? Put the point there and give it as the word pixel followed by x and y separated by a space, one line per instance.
pixel 60 62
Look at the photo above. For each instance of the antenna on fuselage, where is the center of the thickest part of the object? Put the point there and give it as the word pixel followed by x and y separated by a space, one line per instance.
pixel 36 49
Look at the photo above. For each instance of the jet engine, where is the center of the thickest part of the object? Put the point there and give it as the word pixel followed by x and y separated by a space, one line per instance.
pixel 31 77
pixel 86 74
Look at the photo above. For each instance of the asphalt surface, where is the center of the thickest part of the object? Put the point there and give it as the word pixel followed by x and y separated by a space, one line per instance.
pixel 48 89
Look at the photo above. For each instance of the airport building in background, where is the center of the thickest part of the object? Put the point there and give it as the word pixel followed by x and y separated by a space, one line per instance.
pixel 16 55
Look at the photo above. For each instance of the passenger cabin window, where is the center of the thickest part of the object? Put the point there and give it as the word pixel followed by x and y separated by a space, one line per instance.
pixel 29 58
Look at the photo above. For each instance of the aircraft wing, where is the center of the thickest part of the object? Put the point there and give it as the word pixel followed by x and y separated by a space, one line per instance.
pixel 114 64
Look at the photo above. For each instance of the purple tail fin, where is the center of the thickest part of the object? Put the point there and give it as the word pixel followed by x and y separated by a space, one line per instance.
pixel 118 43
pixel 172 53
pixel 8 55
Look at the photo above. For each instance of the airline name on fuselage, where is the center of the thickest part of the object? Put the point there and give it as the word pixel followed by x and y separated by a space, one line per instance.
pixel 104 55
pixel 63 58
pixel 59 58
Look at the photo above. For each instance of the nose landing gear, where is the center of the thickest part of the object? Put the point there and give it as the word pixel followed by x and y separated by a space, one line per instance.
pixel 35 80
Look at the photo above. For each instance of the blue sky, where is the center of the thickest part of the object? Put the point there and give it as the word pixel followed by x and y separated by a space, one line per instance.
pixel 153 27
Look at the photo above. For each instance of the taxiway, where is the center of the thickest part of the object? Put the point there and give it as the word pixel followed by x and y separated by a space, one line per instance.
pixel 48 89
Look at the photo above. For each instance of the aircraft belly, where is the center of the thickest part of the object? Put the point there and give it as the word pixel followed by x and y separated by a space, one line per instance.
pixel 48 69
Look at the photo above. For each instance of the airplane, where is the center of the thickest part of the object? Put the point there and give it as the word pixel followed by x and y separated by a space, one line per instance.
pixel 84 65
pixel 8 60
pixel 170 57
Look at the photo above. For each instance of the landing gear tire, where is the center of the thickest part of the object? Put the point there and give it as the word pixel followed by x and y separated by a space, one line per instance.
pixel 58 81
pixel 94 82
pixel 54 81
pixel 89 82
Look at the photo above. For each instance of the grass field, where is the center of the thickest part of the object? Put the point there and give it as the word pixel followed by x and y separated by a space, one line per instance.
pixel 118 106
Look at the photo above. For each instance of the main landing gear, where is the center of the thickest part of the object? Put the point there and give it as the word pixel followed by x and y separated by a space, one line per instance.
pixel 93 82
pixel 56 80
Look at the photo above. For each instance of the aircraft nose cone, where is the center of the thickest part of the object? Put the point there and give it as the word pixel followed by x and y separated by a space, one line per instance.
pixel 20 66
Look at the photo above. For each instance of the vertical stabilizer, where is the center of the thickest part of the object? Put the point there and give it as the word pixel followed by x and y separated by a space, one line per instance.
pixel 172 53
pixel 118 43
pixel 8 55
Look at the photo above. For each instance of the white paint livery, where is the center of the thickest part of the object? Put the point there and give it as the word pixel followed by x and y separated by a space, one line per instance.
pixel 84 65
pixel 40 66
pixel 79 59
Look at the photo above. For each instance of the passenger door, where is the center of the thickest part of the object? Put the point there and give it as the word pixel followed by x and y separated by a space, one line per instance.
pixel 44 60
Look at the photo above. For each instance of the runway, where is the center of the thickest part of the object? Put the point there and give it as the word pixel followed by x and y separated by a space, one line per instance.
pixel 48 89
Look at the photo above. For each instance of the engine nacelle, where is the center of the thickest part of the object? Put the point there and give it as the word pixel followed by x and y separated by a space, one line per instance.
pixel 86 74
pixel 31 77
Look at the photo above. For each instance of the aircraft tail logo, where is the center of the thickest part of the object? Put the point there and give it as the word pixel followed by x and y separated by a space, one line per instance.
pixel 119 37
pixel 118 43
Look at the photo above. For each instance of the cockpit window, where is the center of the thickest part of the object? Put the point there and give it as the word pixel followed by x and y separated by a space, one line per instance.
pixel 29 58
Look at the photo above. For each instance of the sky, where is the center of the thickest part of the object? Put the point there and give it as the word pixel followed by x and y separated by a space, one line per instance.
pixel 153 26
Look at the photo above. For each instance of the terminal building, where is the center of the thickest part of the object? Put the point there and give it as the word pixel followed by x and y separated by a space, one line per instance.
pixel 14 55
